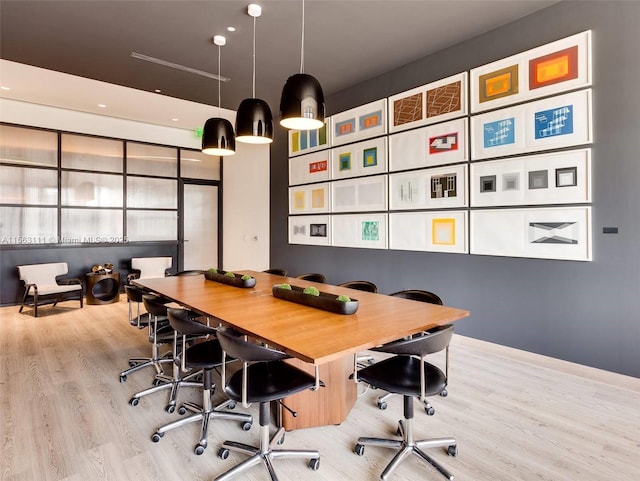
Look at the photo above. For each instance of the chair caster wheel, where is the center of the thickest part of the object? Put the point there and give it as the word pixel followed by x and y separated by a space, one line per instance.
pixel 156 382
pixel 359 449
pixel 170 408
pixel 182 411
pixel 444 393
pixel 281 440
pixel 382 405
pixel 452 450
pixel 246 426
pixel 231 405
pixel 132 364
pixel 429 410
pixel 223 453
pixel 156 437
pixel 123 378
pixel 134 401
pixel 199 449
pixel 314 464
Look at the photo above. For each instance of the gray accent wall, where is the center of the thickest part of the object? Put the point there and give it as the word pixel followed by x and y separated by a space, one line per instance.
pixel 584 312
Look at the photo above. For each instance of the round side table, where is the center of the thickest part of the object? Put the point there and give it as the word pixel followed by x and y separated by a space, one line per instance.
pixel 103 288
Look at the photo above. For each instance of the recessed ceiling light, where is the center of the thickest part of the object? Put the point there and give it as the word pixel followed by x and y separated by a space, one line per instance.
pixel 231 29
pixel 157 91
pixel 5 87
pixel 102 106
pixel 175 119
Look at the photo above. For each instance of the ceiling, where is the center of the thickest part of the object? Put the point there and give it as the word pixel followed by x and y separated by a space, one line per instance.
pixel 346 42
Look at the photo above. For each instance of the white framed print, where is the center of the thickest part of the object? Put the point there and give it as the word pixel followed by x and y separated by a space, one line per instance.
pixel 557 178
pixel 434 102
pixel 359 195
pixel 362 158
pixel 311 198
pixel 434 231
pixel 440 188
pixel 562 233
pixel 368 231
pixel 550 69
pixel 314 167
pixel 363 122
pixel 310 230
pixel 438 144
pixel 306 141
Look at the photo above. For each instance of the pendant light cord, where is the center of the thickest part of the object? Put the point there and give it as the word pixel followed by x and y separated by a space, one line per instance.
pixel 219 101
pixel 302 43
pixel 254 57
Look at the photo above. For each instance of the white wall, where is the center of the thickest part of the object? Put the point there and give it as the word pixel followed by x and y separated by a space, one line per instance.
pixel 245 181
pixel 246 208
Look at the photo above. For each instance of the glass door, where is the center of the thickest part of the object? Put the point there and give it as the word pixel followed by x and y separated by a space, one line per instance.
pixel 201 225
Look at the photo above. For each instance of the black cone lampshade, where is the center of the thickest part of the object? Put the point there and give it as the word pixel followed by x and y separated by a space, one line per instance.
pixel 218 137
pixel 254 122
pixel 302 103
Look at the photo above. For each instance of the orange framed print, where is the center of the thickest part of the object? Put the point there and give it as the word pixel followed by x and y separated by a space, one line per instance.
pixel 314 167
pixel 550 69
pixel 309 199
pixel 432 231
pixel 363 122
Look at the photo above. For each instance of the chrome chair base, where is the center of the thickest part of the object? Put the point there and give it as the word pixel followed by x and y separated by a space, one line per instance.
pixel 137 363
pixel 264 454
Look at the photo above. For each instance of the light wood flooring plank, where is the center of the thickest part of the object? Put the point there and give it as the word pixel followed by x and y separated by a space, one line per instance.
pixel 65 416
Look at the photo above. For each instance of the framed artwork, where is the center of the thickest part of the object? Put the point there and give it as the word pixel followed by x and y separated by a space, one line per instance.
pixel 305 141
pixel 440 188
pixel 428 104
pixel 312 198
pixel 557 178
pixel 553 68
pixel 367 231
pixel 310 230
pixel 552 123
pixel 362 158
pixel 438 144
pixel 359 195
pixel 360 123
pixel 545 233
pixel 315 167
pixel 444 231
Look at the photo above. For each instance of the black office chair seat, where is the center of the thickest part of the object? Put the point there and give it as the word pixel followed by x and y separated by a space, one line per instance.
pixel 203 355
pixel 395 375
pixel 270 381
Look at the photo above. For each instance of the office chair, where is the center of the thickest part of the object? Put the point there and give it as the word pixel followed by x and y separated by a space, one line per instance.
pixel 365 286
pixel 264 377
pixel 205 356
pixel 160 332
pixel 421 296
pixel 157 330
pixel 408 374
pixel 277 272
pixel 313 277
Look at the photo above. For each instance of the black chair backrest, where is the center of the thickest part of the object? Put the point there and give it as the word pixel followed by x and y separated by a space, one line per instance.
pixel 184 322
pixel 154 305
pixel 193 272
pixel 313 277
pixel 277 272
pixel 361 286
pixel 234 344
pixel 419 295
pixel 134 294
pixel 428 342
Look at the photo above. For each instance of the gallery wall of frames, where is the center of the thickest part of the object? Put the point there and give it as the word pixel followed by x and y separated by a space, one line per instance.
pixel 494 161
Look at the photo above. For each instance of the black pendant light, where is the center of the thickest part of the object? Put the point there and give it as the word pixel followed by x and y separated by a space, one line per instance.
pixel 217 136
pixel 302 100
pixel 254 122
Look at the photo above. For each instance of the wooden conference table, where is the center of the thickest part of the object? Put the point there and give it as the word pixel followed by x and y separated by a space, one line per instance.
pixel 308 334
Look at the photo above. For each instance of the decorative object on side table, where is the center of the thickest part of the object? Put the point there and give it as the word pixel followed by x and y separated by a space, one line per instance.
pixel 310 296
pixel 228 277
pixel 103 285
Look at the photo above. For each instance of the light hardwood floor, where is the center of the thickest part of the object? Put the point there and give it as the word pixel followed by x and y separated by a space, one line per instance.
pixel 516 415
